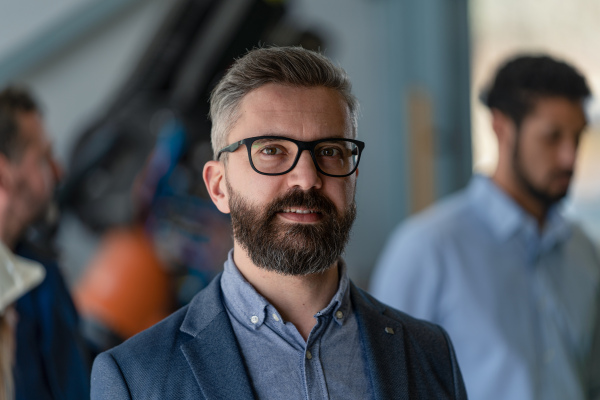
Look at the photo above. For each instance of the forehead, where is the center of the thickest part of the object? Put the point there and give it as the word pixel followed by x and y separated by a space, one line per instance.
pixel 558 113
pixel 297 112
pixel 31 128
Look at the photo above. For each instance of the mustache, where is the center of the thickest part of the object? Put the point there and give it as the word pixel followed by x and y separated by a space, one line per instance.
pixel 311 199
pixel 567 173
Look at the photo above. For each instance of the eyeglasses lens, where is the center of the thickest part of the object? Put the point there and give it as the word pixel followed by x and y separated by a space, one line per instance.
pixel 273 156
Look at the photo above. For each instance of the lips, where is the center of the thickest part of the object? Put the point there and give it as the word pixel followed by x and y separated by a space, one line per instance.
pixel 301 214
pixel 300 211
pixel 300 206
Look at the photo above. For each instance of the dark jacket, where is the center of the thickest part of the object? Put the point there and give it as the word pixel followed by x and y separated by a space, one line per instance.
pixel 193 354
pixel 52 362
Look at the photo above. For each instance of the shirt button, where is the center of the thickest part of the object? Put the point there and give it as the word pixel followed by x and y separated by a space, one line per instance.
pixel 275 317
pixel 254 319
pixel 339 314
pixel 308 355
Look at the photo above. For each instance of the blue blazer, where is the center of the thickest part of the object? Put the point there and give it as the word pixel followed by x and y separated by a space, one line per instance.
pixel 193 354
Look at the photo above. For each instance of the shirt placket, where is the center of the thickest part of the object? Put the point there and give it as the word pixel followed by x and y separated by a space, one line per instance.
pixel 315 386
pixel 552 340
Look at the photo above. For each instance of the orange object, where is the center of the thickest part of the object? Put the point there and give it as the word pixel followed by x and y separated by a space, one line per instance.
pixel 125 287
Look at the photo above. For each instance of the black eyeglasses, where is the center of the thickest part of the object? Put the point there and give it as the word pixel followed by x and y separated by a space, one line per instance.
pixel 275 155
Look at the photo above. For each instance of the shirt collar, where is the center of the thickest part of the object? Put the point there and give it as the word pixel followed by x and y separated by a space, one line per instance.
pixel 507 218
pixel 250 308
pixel 339 306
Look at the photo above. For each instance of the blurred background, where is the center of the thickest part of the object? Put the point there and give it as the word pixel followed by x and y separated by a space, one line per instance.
pixel 124 86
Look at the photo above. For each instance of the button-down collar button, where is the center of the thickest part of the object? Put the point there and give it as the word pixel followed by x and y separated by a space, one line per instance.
pixel 254 319
pixel 339 314
pixel 389 330
pixel 275 317
pixel 308 355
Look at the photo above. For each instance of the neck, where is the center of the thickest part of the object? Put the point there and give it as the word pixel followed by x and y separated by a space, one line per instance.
pixel 533 206
pixel 297 298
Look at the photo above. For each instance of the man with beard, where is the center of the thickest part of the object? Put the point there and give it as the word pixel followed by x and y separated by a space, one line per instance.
pixel 516 285
pixel 51 361
pixel 283 320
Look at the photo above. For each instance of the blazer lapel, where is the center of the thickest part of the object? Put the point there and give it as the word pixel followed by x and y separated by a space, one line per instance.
pixel 213 353
pixel 383 343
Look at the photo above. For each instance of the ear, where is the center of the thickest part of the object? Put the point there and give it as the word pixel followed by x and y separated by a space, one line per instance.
pixel 503 126
pixel 6 174
pixel 6 178
pixel 214 179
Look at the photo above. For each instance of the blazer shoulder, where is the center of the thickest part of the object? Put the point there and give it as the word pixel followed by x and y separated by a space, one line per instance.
pixel 160 338
pixel 402 348
pixel 164 338
pixel 417 331
pixel 157 360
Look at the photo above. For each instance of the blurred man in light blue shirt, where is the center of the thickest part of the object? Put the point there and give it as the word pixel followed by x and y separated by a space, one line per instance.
pixel 516 286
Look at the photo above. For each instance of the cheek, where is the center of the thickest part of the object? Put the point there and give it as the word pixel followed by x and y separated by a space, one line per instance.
pixel 40 180
pixel 530 155
pixel 341 192
pixel 47 175
pixel 256 189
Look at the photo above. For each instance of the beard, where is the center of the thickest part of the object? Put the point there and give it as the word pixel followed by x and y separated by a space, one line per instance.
pixel 291 248
pixel 543 195
pixel 35 214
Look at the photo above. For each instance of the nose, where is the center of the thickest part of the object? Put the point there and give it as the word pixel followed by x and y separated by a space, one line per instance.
pixel 568 154
pixel 57 170
pixel 305 175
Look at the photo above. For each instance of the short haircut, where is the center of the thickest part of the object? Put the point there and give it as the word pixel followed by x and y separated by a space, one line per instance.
pixel 13 101
pixel 292 66
pixel 524 79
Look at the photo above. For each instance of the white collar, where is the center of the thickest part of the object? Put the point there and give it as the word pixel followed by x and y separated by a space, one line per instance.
pixel 18 275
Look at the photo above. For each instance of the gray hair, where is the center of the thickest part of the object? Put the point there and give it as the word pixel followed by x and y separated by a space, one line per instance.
pixel 292 66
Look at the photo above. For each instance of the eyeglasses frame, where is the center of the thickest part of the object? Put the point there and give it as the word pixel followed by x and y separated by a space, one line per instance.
pixel 302 145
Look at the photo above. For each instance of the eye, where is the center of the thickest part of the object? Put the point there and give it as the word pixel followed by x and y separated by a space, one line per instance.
pixel 554 137
pixel 271 151
pixel 329 152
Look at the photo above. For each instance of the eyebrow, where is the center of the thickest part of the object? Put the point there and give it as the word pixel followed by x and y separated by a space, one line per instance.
pixel 333 136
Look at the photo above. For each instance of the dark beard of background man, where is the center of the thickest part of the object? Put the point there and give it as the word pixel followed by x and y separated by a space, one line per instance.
pixel 291 248
pixel 548 199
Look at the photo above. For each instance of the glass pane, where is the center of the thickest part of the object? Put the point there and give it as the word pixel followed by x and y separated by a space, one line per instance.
pixel 273 155
pixel 336 157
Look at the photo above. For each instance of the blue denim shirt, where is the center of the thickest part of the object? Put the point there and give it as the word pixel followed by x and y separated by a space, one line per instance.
pixel 281 365
pixel 522 306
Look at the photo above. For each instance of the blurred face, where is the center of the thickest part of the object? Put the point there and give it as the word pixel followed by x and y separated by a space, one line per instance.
pixel 545 148
pixel 297 223
pixel 34 174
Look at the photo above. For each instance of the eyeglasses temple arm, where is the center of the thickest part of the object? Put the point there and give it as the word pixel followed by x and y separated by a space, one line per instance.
pixel 231 148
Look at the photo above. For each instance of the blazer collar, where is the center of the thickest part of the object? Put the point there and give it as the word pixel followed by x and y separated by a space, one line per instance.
pixel 213 353
pixel 215 358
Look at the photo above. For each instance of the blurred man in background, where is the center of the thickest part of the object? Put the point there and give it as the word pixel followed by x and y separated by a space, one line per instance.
pixel 516 286
pixel 51 362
